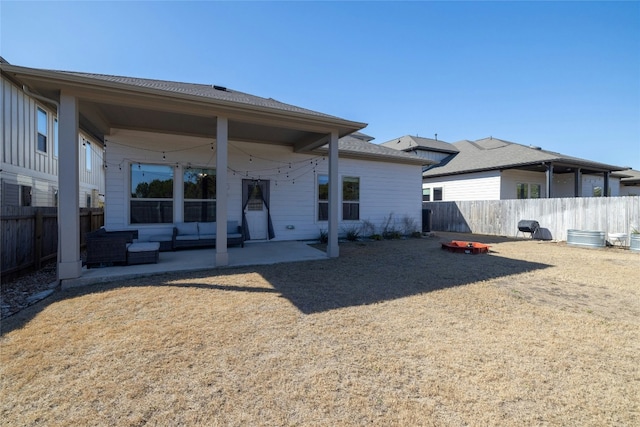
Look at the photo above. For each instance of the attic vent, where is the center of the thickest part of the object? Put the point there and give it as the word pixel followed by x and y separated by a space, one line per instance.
pixel 222 88
pixel 535 147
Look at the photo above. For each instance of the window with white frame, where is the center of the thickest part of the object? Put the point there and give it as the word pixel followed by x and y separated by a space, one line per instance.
pixel 87 155
pixel 437 193
pixel 151 199
pixel 43 130
pixel 526 190
pixel 426 194
pixel 323 198
pixel 199 195
pixel 350 198
pixel 55 137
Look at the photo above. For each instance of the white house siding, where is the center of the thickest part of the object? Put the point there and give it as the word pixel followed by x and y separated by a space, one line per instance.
pixel 293 198
pixel 512 177
pixel 629 190
pixel 473 186
pixel 24 165
pixel 563 184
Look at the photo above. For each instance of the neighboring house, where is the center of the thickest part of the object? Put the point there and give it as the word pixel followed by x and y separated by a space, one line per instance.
pixel 198 152
pixel 29 158
pixel 629 182
pixel 494 169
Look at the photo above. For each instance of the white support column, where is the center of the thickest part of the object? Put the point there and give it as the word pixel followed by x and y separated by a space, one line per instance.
pixel 222 136
pixel 333 250
pixel 69 262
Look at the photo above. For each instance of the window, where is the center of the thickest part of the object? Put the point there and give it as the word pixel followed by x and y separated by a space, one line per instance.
pixel 151 194
pixel 323 197
pixel 528 191
pixel 350 198
pixel 534 191
pixel 25 195
pixel 426 194
pixel 55 137
pixel 522 191
pixel 255 202
pixel 437 193
pixel 87 154
pixel 43 130
pixel 199 195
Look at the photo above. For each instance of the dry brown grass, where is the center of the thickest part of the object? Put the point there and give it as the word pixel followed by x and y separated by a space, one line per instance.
pixel 391 333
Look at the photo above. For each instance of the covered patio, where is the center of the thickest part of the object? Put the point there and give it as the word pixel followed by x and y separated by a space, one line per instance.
pixel 102 105
pixel 253 253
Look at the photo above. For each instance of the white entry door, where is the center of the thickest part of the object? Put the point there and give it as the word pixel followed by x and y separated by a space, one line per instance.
pixel 256 211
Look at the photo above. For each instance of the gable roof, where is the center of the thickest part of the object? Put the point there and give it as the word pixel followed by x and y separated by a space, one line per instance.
pixel 357 145
pixel 106 102
pixel 492 153
pixel 208 91
pixel 412 143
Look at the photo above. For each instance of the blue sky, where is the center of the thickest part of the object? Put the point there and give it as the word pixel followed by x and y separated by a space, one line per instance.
pixel 561 75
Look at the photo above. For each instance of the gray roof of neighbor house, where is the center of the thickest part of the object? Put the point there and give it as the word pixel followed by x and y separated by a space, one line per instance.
pixel 411 143
pixel 629 177
pixel 492 153
pixel 357 145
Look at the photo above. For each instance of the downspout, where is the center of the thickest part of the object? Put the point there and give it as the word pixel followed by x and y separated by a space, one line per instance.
pixel 41 98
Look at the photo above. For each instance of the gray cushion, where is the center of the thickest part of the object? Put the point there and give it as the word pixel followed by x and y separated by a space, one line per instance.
pixel 207 237
pixel 143 247
pixel 187 228
pixel 207 228
pixel 187 237
pixel 232 227
pixel 160 238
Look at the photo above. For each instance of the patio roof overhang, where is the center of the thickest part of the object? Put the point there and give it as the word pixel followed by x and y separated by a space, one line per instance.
pixel 99 104
pixel 104 105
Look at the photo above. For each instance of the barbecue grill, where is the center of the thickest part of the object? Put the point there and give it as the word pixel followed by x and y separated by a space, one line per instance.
pixel 528 226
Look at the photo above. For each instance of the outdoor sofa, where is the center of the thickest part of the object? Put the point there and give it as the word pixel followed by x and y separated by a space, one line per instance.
pixel 106 248
pixel 189 235
pixel 203 234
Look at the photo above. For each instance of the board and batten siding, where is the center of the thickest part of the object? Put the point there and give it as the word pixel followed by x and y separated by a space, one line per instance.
pixel 473 186
pixel 556 215
pixel 385 187
pixel 23 164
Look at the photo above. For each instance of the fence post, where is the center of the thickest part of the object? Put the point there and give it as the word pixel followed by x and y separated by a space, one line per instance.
pixel 38 240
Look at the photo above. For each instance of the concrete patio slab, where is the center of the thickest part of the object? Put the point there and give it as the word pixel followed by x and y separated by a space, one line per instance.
pixel 253 253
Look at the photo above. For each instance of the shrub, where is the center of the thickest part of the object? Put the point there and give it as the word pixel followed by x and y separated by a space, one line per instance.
pixel 352 233
pixel 368 228
pixel 389 230
pixel 409 225
pixel 324 236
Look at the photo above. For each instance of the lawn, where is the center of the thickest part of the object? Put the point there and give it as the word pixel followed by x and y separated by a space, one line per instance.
pixel 391 333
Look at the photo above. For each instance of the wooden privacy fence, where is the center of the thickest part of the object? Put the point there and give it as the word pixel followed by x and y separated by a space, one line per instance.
pixel 30 235
pixel 556 216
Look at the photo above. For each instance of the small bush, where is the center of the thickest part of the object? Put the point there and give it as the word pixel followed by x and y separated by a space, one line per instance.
pixel 416 234
pixel 352 233
pixel 324 236
pixel 409 225
pixel 375 237
pixel 368 228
